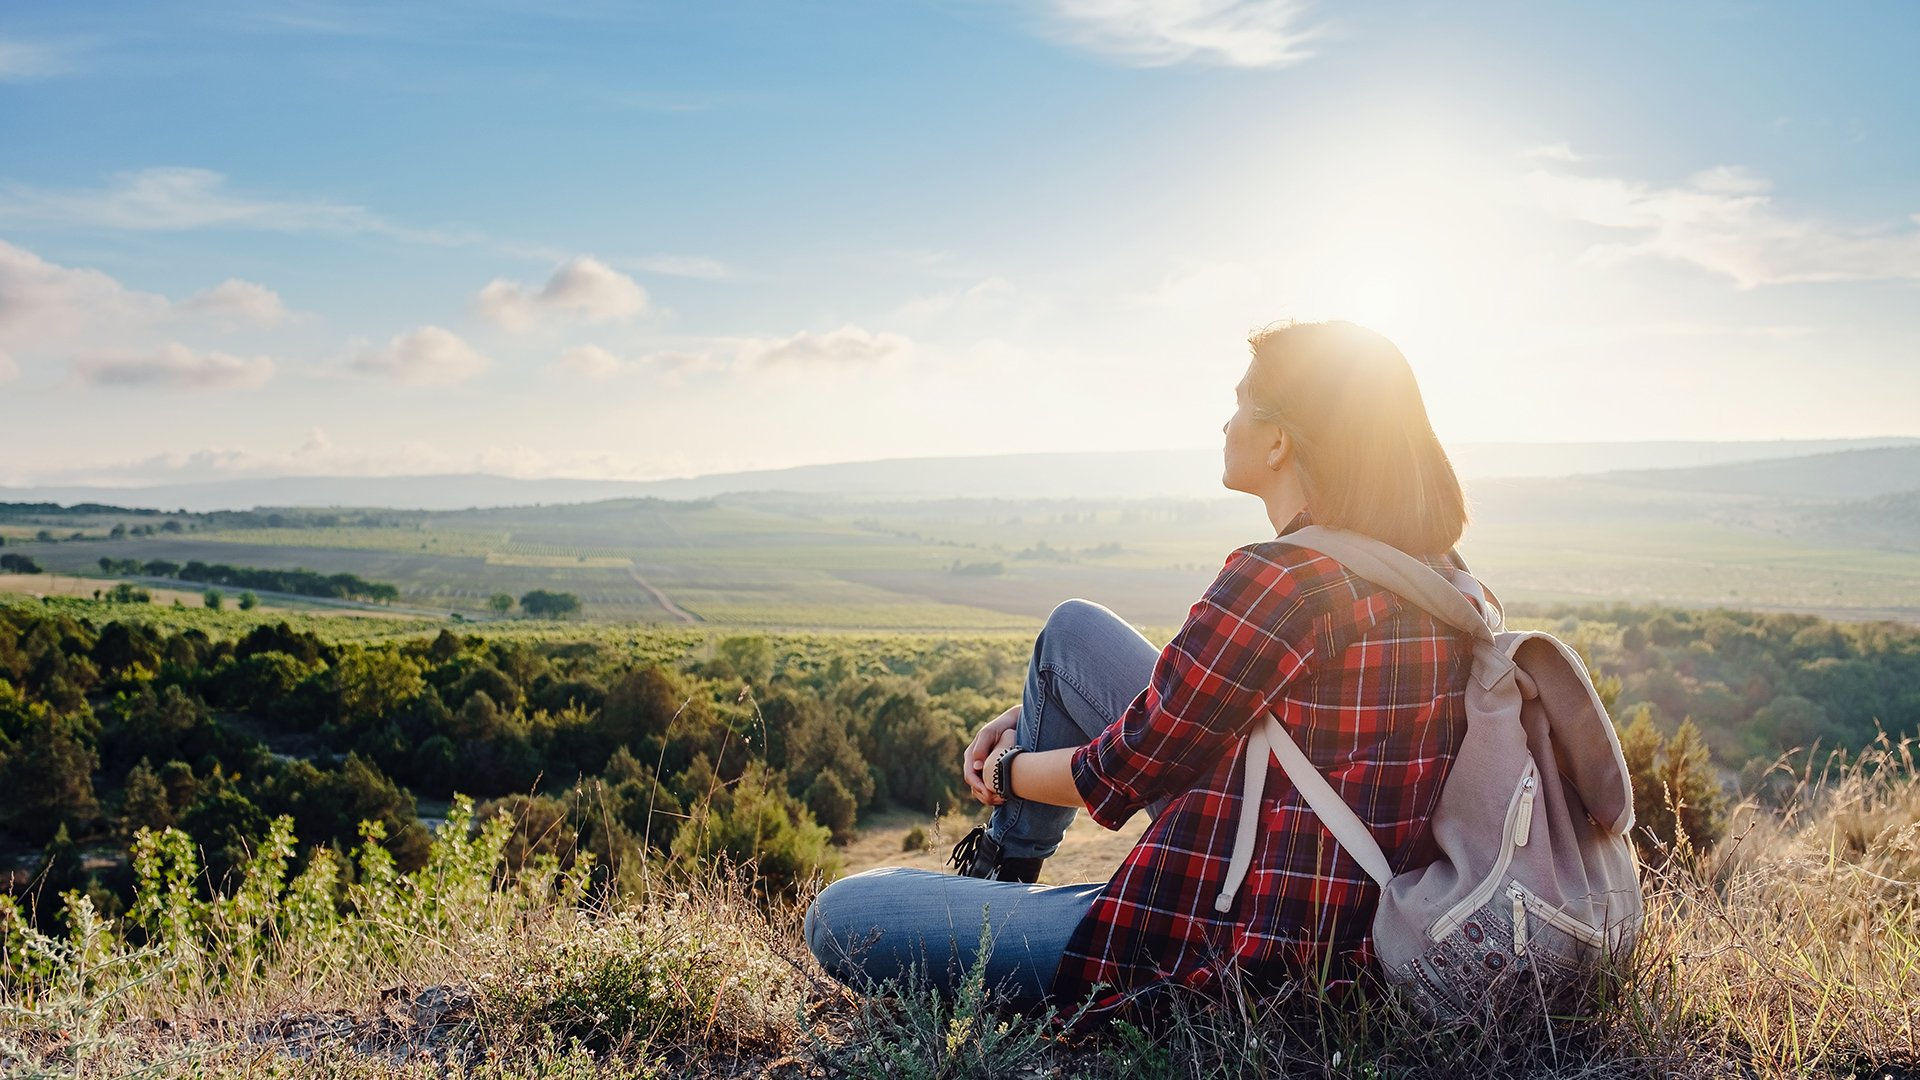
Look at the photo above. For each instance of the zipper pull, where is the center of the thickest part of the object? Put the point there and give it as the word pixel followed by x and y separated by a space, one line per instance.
pixel 1519 919
pixel 1524 827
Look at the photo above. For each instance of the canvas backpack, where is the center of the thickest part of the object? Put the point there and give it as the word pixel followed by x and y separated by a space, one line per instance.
pixel 1535 893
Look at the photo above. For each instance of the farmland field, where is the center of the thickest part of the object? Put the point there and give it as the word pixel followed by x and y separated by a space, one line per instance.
pixel 774 559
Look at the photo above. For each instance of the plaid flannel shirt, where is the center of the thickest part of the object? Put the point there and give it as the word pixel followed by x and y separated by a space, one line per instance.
pixel 1374 691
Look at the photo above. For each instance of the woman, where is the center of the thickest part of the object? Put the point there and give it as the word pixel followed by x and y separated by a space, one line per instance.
pixel 1330 429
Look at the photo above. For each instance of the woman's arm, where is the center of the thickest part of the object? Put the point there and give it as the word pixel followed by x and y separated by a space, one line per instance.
pixel 1044 776
pixel 1250 634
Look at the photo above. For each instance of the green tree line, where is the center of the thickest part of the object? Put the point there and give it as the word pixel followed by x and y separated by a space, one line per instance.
pixel 110 727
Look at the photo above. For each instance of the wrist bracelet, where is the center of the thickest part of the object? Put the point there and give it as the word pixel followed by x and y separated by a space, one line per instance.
pixel 1003 772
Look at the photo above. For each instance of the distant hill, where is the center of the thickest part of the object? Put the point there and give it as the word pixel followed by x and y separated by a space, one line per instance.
pixel 1890 521
pixel 1098 475
pixel 1850 474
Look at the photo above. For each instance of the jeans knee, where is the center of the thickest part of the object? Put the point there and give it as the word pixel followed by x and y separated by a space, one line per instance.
pixel 1076 613
pixel 1074 619
pixel 814 929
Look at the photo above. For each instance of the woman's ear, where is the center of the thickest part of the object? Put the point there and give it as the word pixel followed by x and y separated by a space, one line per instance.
pixel 1281 455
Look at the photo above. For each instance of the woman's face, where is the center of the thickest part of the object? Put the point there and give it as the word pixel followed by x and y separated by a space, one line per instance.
pixel 1250 443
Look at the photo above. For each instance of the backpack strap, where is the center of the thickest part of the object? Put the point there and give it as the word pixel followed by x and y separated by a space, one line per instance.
pixel 1334 813
pixel 1412 580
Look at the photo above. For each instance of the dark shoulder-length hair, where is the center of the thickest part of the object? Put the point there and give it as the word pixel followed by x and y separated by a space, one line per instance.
pixel 1365 450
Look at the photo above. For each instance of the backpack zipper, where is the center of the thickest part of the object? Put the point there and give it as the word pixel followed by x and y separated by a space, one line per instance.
pixel 1519 897
pixel 1559 919
pixel 1524 827
pixel 1483 892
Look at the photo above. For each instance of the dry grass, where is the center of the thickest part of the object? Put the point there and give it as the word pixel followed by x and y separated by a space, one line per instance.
pixel 1793 949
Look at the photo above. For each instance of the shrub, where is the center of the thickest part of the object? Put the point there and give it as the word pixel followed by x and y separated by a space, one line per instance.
pixel 701 967
pixel 550 605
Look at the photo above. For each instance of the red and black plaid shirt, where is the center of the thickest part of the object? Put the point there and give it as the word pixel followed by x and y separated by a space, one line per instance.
pixel 1374 691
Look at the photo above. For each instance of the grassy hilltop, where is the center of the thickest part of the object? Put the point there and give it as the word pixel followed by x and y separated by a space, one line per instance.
pixel 307 843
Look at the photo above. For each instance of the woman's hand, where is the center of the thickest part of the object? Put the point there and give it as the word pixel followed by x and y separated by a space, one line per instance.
pixel 990 738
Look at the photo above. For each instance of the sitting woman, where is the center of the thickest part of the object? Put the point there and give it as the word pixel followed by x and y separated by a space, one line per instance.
pixel 1330 430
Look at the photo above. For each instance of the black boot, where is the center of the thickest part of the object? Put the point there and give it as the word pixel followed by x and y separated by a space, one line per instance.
pixel 976 855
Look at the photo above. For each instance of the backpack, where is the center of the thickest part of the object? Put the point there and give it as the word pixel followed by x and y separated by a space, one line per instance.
pixel 1535 892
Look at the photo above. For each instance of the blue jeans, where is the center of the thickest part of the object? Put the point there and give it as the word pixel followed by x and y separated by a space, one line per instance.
pixel 1088 665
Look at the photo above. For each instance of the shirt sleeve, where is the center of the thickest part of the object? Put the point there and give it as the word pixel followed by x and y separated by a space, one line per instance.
pixel 1246 638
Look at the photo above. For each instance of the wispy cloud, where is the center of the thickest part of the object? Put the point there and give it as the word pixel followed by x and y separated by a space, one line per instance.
pixel 428 356
pixel 174 199
pixel 584 287
pixel 1559 151
pixel 1230 33
pixel 175 367
pixel 848 346
pixel 692 266
pixel 594 362
pixel 23 61
pixel 1725 220
pixel 987 295
pixel 9 370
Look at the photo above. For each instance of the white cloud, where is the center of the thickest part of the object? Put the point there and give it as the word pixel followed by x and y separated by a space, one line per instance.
pixel 1724 220
pixel 185 198
pixel 590 361
pixel 236 300
pixel 845 347
pixel 24 60
pixel 173 366
pixel 1232 33
pixel 585 286
pixel 693 266
pixel 678 363
pixel 9 370
pixel 424 357
pixel 42 301
pixel 44 304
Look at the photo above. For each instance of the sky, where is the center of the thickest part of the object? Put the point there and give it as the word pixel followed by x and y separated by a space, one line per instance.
pixel 639 240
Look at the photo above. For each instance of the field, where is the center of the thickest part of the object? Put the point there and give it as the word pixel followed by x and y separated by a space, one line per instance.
pixel 1760 537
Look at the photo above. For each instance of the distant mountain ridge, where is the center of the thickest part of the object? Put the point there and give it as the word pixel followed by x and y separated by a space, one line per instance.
pixel 1849 474
pixel 1182 474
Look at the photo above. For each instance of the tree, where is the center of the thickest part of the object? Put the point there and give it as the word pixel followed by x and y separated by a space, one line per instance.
pixel 551 605
pixel 373 682
pixel 212 598
pixel 750 657
pixel 19 564
pixel 249 601
pixel 501 603
pixel 1675 791
pixel 48 776
pixel 832 805
pixel 146 805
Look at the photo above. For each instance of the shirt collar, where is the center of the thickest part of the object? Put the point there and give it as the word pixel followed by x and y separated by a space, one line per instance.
pixel 1300 521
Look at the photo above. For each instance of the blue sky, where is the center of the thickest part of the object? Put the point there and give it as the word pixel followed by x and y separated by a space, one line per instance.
pixel 640 240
